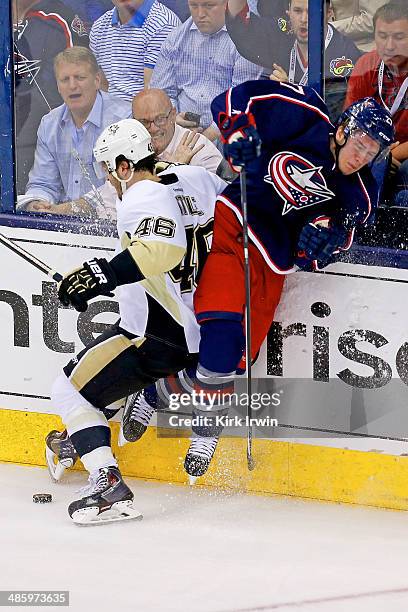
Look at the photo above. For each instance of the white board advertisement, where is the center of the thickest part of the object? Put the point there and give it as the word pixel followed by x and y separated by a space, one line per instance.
pixel 346 327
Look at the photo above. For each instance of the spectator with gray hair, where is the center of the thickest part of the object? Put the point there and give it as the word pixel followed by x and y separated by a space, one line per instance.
pixel 172 142
pixel 64 168
pixel 41 29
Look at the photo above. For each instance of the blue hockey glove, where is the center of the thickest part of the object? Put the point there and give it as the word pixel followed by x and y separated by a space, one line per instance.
pixel 245 149
pixel 242 144
pixel 319 243
pixel 95 277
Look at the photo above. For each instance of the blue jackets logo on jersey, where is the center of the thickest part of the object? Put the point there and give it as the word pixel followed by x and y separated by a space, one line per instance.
pixel 297 181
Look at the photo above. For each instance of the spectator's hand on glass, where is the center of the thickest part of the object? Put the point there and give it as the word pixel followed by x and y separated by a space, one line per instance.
pixel 187 148
pixel 64 208
pixel 278 74
pixel 39 206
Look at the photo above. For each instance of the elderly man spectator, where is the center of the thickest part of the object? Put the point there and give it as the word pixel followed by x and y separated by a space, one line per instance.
pixel 383 74
pixel 172 142
pixel 197 62
pixel 355 19
pixel 63 166
pixel 126 42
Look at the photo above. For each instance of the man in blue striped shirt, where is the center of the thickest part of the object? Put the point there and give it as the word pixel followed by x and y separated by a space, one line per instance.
pixel 198 61
pixel 126 42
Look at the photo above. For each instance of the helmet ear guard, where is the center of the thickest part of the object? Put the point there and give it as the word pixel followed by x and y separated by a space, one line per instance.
pixel 123 182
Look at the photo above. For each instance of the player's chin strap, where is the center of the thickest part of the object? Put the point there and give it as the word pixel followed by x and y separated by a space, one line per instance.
pixel 338 147
pixel 123 182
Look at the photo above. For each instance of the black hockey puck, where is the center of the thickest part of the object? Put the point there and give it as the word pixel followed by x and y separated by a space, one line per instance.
pixel 320 309
pixel 42 498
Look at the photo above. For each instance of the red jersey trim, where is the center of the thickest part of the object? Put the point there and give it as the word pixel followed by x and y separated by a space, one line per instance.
pixel 228 101
pixel 349 241
pixel 244 14
pixel 228 104
pixel 55 17
pixel 291 100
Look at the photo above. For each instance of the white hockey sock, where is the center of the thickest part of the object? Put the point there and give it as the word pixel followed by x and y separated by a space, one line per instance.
pixel 99 458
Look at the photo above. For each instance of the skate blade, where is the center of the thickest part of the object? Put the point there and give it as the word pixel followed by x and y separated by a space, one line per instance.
pixel 56 469
pixel 192 480
pixel 121 511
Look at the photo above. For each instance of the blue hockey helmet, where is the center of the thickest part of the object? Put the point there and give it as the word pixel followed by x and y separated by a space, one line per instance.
pixel 371 118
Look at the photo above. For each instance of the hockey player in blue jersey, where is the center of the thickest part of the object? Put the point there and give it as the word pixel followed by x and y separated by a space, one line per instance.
pixel 307 169
pixel 307 191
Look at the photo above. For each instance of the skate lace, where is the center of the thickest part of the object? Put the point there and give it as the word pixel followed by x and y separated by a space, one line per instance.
pixel 141 411
pixel 96 484
pixel 203 447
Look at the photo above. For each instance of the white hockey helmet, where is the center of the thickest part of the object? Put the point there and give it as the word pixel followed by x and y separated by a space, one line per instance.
pixel 127 137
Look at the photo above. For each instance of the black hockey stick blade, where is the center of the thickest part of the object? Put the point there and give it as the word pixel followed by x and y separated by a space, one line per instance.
pixel 34 261
pixel 251 462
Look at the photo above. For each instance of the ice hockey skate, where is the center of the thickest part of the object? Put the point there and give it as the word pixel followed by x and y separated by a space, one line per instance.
pixel 106 499
pixel 136 417
pixel 199 456
pixel 60 453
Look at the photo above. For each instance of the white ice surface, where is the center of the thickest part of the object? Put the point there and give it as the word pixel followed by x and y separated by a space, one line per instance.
pixel 202 551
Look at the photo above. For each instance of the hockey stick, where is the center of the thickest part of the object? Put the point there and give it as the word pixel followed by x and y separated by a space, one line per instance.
pixel 248 344
pixel 37 263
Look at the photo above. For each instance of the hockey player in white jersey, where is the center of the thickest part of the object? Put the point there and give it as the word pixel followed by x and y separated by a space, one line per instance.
pixel 163 222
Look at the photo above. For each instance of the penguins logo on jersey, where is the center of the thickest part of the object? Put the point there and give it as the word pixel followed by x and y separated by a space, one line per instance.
pixel 297 181
pixel 112 129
